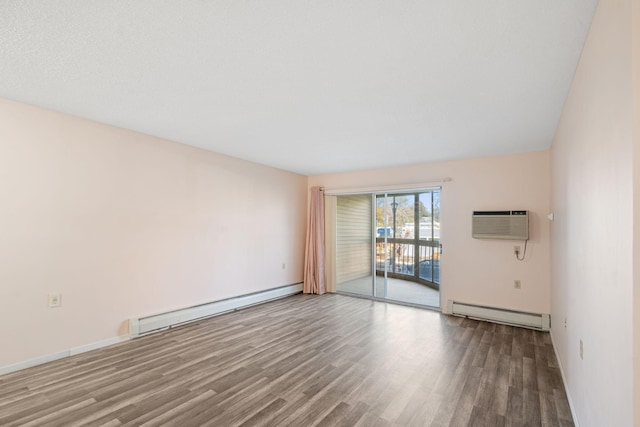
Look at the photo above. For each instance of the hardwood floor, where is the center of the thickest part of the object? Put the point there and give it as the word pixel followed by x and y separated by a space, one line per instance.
pixel 305 360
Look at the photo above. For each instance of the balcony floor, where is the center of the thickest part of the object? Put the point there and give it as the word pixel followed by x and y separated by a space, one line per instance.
pixel 397 290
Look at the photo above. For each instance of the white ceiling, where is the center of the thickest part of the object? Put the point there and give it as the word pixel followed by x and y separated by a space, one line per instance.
pixel 308 86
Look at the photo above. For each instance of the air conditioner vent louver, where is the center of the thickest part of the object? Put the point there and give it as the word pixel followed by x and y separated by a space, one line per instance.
pixel 507 225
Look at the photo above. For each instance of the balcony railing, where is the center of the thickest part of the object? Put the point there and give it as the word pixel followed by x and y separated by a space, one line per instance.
pixel 416 260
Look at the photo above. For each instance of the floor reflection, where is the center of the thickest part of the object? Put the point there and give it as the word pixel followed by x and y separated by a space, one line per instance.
pixel 397 290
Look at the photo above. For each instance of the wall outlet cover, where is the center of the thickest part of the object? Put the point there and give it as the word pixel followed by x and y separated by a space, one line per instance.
pixel 55 300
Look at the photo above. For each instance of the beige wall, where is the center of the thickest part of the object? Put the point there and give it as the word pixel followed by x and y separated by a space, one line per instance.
pixel 636 209
pixel 592 243
pixel 124 224
pixel 489 266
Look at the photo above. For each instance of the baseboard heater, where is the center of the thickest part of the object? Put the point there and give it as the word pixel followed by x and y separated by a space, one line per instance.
pixel 500 315
pixel 147 324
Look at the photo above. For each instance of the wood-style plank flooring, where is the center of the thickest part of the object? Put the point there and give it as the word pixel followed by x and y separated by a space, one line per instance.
pixel 305 360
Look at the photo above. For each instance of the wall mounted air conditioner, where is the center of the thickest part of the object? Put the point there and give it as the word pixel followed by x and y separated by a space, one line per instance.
pixel 507 225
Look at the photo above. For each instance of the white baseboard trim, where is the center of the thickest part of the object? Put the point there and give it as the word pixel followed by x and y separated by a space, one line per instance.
pixel 564 383
pixel 60 355
pixel 97 345
pixel 143 325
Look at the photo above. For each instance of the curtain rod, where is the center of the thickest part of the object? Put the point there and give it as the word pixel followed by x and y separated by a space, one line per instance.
pixel 384 188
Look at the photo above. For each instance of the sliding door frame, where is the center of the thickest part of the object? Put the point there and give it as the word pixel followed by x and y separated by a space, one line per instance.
pixel 374 284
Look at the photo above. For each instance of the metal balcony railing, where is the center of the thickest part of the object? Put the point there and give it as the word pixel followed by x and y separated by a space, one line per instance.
pixel 416 260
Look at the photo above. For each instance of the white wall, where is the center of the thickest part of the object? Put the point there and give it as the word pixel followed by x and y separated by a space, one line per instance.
pixel 123 225
pixel 592 238
pixel 480 271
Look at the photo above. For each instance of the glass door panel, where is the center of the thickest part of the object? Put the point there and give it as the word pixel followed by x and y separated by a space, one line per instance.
pixel 408 247
pixel 429 239
pixel 354 245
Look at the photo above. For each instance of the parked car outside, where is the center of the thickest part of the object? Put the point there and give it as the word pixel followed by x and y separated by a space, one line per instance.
pixel 425 270
pixel 381 232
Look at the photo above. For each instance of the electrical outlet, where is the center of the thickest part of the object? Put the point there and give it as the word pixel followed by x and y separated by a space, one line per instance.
pixel 284 265
pixel 517 284
pixel 55 300
pixel 516 250
pixel 565 323
pixel 581 350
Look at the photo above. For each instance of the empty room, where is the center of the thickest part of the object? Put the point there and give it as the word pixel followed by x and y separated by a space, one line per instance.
pixel 356 213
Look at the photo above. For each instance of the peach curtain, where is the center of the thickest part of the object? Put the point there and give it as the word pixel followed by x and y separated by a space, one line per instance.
pixel 314 277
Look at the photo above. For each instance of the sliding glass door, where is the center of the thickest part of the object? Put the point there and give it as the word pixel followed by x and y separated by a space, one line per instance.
pixel 388 246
